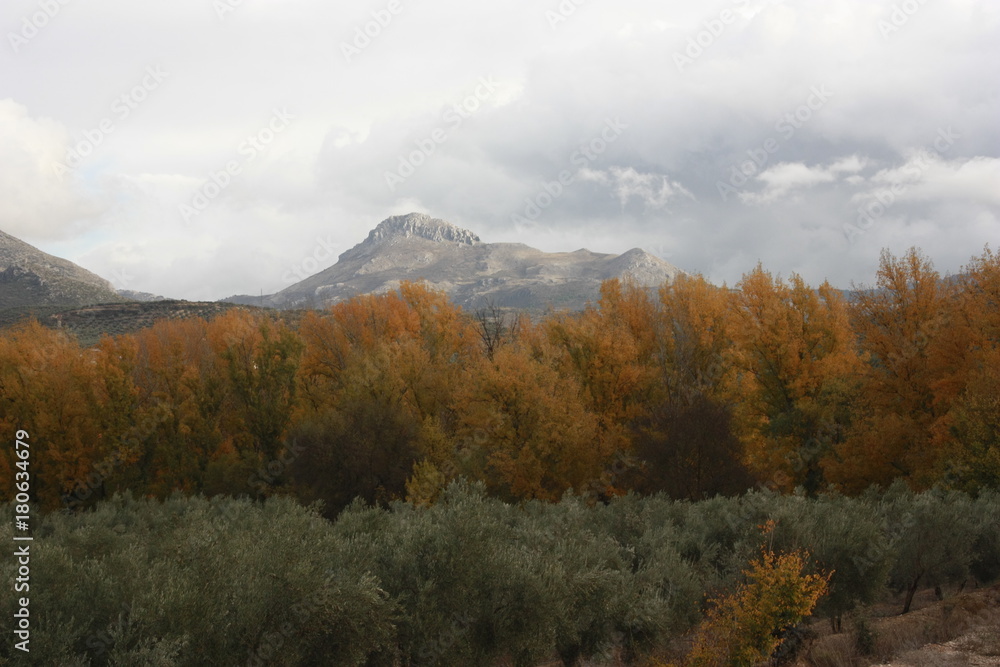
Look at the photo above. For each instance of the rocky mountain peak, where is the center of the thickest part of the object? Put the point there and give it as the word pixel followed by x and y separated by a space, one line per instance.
pixel 417 247
pixel 422 226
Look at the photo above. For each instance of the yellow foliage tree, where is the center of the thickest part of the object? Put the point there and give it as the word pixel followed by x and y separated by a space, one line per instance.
pixel 695 344
pixel 743 629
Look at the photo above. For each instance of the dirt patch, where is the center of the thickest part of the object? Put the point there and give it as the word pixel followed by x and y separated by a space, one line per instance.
pixel 961 631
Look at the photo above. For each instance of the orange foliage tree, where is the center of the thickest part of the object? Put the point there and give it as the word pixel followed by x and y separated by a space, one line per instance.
pixel 902 327
pixel 74 402
pixel 527 429
pixel 795 351
pixel 689 443
pixel 970 433
pixel 382 370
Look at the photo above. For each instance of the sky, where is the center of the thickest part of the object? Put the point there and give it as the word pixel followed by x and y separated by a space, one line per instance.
pixel 203 148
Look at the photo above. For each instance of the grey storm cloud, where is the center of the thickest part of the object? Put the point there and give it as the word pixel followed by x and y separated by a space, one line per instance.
pixel 807 136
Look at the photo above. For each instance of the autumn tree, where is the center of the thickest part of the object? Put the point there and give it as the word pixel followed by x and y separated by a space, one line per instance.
pixel 74 402
pixel 363 446
pixel 969 434
pixel 695 347
pixel 529 428
pixel 180 403
pixel 609 347
pixel 257 359
pixel 496 327
pixel 899 324
pixel 744 628
pixel 688 443
pixel 796 351
pixel 691 451
pixel 378 376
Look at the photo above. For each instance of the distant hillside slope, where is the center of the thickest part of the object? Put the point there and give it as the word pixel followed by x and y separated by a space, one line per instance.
pixel 30 278
pixel 455 260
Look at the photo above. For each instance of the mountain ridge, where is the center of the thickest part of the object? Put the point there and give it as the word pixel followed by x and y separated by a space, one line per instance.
pixel 418 247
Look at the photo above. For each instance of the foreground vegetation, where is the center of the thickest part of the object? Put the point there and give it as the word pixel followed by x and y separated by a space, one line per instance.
pixel 394 481
pixel 473 580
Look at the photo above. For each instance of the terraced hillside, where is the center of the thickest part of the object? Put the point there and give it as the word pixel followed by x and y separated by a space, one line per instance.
pixel 89 323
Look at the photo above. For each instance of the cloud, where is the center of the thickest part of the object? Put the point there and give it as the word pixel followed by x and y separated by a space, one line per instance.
pixel 36 199
pixel 927 176
pixel 782 179
pixel 655 186
pixel 653 191
pixel 850 164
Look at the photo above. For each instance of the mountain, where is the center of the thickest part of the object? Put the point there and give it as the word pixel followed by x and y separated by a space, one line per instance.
pixel 511 275
pixel 30 278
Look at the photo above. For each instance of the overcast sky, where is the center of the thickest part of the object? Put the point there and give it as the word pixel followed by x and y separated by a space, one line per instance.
pixel 202 148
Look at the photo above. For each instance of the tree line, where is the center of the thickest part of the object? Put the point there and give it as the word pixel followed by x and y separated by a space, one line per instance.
pixel 692 389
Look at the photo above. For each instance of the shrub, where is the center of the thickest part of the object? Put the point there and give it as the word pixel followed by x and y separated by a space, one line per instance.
pixel 742 629
pixel 198 582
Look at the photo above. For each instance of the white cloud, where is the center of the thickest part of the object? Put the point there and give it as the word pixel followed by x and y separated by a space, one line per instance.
pixel 36 200
pixel 783 178
pixel 927 176
pixel 654 191
pixel 851 164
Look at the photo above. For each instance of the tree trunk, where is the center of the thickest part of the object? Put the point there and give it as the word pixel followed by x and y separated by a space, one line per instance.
pixel 911 592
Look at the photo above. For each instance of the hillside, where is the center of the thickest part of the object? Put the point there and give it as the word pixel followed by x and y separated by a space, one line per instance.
pixel 30 278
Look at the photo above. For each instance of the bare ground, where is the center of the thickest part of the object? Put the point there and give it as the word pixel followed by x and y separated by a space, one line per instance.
pixel 960 631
